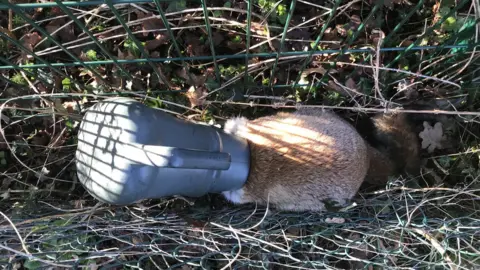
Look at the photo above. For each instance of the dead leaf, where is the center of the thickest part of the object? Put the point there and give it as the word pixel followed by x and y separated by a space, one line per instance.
pixel 93 266
pixel 196 97
pixel 438 180
pixel 6 183
pixel 388 4
pixel 164 79
pixel 330 34
pixel 294 231
pixel 195 50
pixel 57 11
pixel 359 250
pixel 85 72
pixel 408 90
pixel 258 29
pixel 350 83
pixel 432 137
pixel 5 195
pixel 17 266
pixel 193 222
pixel 30 40
pixel 5 118
pixel 195 80
pixel 355 22
pixel 153 23
pixel 41 175
pixel 103 35
pixel 78 204
pixel 8 33
pixel 83 56
pixel 436 8
pixel 341 90
pixel 65 34
pixel 139 239
pixel 210 72
pixel 341 30
pixel 58 140
pixel 41 88
pixel 319 70
pixel 194 45
pixel 157 42
pixel 125 56
pixel 41 139
pixel 217 38
pixel 72 106
pixel 299 34
pixel 59 106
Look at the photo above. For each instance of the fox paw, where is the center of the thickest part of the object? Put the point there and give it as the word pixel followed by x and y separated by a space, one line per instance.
pixel 234 196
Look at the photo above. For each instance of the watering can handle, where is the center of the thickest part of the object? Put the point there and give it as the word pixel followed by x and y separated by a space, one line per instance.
pixel 197 159
pixel 175 157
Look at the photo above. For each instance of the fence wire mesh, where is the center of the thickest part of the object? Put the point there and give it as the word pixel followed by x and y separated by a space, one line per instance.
pixel 210 60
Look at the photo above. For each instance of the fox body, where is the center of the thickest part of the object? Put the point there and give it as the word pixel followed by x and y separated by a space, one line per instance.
pixel 301 160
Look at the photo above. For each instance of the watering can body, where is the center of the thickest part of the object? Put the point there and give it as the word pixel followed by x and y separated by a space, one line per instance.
pixel 128 152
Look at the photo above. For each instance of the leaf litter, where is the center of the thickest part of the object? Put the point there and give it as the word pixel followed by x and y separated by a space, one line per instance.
pixel 194 42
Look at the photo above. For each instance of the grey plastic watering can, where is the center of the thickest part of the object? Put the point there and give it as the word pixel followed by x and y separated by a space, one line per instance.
pixel 129 152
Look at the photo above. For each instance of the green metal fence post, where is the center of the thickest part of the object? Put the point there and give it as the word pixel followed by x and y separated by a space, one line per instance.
pixel 86 31
pixel 135 40
pixel 282 41
pixel 210 39
pixel 41 30
pixel 174 41
pixel 317 41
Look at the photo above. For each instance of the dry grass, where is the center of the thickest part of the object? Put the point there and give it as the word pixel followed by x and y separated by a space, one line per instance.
pixel 48 219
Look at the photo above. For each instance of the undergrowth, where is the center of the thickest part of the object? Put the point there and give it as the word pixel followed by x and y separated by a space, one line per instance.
pixel 429 221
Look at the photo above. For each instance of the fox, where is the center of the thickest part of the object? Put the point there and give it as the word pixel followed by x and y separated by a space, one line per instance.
pixel 305 159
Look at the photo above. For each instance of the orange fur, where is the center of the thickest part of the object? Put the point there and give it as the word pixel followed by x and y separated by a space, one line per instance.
pixel 301 159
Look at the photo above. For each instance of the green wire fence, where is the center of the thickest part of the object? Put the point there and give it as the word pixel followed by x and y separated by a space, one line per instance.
pixel 461 39
pixel 57 56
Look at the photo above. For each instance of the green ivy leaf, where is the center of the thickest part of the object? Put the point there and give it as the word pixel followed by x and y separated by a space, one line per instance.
pixel 178 5
pixel 61 223
pixel 211 84
pixel 92 55
pixel 66 82
pixel 237 39
pixel 29 264
pixel 450 24
pixel 282 14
